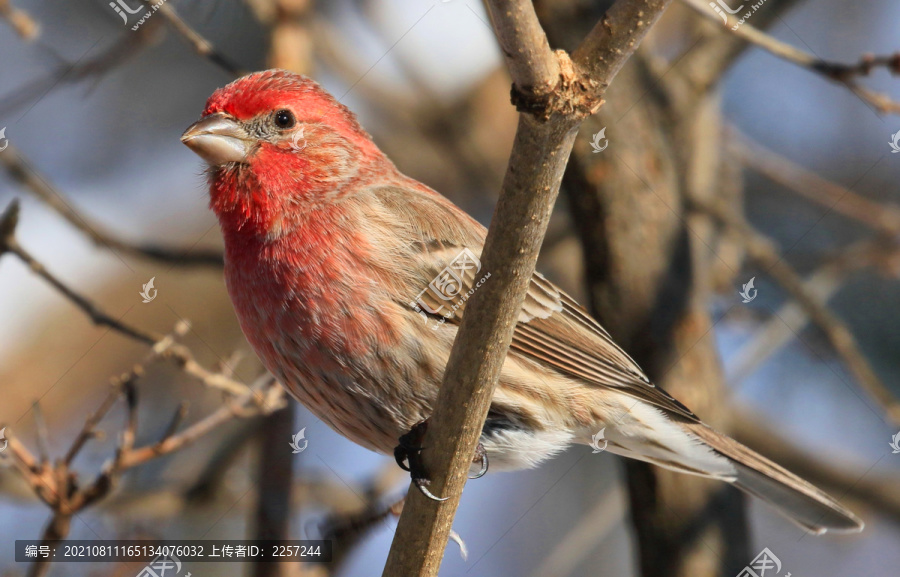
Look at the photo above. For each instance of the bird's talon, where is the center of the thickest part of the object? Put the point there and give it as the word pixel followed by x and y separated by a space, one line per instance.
pixel 408 455
pixel 420 484
pixel 401 455
pixel 480 455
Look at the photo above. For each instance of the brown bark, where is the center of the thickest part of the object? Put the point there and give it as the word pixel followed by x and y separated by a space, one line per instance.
pixel 554 95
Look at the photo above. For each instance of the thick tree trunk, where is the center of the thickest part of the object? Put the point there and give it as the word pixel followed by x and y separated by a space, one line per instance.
pixel 648 269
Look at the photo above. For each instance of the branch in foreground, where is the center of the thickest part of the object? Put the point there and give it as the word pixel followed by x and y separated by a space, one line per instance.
pixel 839 72
pixel 547 127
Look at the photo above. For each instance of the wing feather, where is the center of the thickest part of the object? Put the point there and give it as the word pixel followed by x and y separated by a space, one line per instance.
pixel 552 328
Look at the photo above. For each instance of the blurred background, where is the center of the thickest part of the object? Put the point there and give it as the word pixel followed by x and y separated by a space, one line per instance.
pixel 724 164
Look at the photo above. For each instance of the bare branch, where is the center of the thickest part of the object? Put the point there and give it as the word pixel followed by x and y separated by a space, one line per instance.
pixel 882 218
pixel 841 73
pixel 89 431
pixel 23 172
pixel 533 66
pixel 543 142
pixel 714 54
pixel 184 359
pixel 24 25
pixel 761 250
pixel 57 528
pixel 8 243
pixel 249 400
pixel 58 486
pixel 198 42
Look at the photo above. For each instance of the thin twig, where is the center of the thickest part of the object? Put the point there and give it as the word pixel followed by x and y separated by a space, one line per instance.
pixel 89 430
pixel 198 42
pixel 883 218
pixel 24 25
pixel 184 359
pixel 761 250
pixel 791 318
pixel 23 172
pixel 127 47
pixel 163 346
pixel 175 423
pixel 59 488
pixel 839 72
pixel 249 400
pixel 9 244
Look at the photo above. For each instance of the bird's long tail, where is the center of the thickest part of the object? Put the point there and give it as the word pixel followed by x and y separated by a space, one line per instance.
pixel 803 503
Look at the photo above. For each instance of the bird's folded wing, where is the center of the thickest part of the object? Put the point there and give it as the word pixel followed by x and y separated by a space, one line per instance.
pixel 562 335
pixel 552 328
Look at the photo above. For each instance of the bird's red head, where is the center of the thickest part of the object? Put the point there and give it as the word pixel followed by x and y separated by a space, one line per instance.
pixel 276 141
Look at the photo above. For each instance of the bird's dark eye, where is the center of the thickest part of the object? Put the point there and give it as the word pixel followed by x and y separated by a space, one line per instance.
pixel 285 119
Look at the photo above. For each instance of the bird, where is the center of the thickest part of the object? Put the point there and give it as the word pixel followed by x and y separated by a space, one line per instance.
pixel 345 279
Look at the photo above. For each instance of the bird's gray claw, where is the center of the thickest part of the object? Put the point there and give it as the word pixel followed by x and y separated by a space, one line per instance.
pixel 420 484
pixel 480 455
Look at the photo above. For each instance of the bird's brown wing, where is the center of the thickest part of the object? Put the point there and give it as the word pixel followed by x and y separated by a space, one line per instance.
pixel 562 335
pixel 552 329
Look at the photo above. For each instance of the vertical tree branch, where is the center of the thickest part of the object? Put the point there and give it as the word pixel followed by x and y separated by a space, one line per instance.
pixel 544 139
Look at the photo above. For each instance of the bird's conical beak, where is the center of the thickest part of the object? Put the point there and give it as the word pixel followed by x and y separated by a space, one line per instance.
pixel 218 139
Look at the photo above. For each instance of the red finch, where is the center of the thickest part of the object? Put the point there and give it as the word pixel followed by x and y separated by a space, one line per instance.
pixel 349 280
